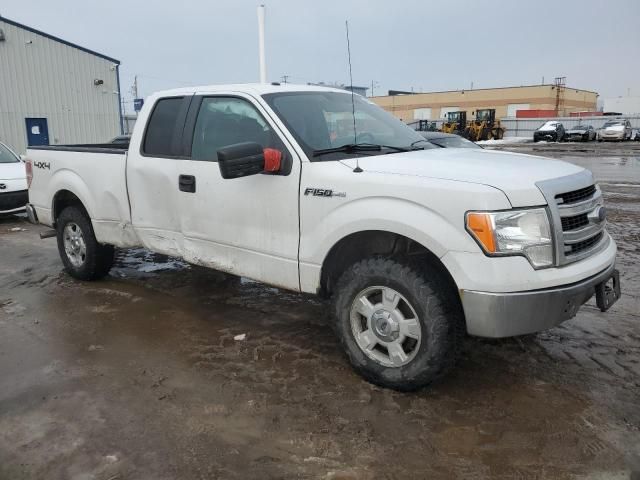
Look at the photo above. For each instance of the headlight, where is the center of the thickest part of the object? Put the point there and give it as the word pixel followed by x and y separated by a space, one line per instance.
pixel 515 232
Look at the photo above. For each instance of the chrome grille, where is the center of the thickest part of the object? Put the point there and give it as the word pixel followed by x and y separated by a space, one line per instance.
pixel 574 248
pixel 576 195
pixel 573 223
pixel 575 205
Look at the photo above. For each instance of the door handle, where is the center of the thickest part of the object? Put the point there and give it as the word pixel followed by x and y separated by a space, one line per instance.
pixel 187 183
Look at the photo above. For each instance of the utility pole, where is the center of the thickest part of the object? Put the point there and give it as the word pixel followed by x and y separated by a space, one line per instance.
pixel 134 87
pixel 261 55
pixel 560 83
pixel 285 78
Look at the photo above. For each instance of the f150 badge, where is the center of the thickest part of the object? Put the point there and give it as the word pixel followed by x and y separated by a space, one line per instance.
pixel 323 192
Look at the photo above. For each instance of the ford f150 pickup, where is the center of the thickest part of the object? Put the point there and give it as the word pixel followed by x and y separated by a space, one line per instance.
pixel 317 190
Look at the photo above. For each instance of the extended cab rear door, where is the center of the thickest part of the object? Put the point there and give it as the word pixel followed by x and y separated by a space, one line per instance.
pixel 247 226
pixel 152 174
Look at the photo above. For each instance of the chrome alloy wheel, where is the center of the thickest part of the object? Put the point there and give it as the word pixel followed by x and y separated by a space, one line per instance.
pixel 385 326
pixel 74 244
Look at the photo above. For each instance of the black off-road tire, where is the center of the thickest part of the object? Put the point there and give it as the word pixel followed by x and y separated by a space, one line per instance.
pixel 99 258
pixel 438 310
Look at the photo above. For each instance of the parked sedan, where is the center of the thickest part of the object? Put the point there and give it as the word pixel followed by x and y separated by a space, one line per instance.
pixel 550 131
pixel 581 133
pixel 448 140
pixel 13 182
pixel 615 130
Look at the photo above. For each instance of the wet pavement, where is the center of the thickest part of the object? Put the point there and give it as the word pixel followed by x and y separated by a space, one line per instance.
pixel 139 376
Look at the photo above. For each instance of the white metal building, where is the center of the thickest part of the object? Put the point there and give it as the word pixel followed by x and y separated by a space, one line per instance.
pixel 622 105
pixel 53 91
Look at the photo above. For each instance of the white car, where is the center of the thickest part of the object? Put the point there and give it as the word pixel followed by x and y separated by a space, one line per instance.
pixel 285 184
pixel 13 182
pixel 615 130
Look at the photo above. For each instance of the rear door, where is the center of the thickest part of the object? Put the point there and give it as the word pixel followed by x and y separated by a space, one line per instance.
pixel 152 178
pixel 247 226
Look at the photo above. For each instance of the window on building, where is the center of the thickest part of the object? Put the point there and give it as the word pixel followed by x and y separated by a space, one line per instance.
pixel 161 127
pixel 445 110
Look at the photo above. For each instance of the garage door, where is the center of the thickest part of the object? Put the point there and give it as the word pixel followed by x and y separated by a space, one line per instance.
pixel 512 108
pixel 422 114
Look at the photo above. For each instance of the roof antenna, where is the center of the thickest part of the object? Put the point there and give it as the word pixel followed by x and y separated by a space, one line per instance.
pixel 353 102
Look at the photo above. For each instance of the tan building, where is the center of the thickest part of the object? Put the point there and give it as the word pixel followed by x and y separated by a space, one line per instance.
pixel 506 101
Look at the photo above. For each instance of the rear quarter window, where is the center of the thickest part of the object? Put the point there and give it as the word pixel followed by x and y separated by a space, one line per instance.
pixel 158 139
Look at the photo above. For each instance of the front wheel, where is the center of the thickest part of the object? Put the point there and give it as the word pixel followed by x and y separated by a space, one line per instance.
pixel 83 257
pixel 400 328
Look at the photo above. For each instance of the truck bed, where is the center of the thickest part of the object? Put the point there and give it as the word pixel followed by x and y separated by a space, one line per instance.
pixel 95 174
pixel 115 148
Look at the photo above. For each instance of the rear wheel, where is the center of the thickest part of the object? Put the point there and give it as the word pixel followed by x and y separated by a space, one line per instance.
pixel 83 257
pixel 400 328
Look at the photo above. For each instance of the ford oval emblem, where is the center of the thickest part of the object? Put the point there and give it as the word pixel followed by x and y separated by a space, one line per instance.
pixel 602 214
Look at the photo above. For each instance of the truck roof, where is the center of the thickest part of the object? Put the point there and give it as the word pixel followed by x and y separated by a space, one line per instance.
pixel 254 88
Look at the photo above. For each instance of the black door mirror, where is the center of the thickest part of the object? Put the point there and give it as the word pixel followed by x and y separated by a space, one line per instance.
pixel 241 160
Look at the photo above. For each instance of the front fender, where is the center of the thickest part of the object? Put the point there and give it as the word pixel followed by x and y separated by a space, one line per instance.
pixel 403 217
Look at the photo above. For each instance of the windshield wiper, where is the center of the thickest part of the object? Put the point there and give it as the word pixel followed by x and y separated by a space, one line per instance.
pixel 414 143
pixel 348 148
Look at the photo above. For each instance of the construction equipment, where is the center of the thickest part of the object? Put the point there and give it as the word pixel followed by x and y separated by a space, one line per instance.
pixel 484 127
pixel 424 126
pixel 456 123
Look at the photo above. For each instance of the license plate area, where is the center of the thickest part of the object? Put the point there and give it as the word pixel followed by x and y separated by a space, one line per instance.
pixel 608 292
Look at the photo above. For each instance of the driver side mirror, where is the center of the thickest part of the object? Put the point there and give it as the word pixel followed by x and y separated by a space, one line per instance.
pixel 241 160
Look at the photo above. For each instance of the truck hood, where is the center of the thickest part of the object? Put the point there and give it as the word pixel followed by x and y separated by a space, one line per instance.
pixel 12 171
pixel 514 173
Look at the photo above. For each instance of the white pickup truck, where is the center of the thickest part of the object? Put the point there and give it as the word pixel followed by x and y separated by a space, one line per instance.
pixel 316 190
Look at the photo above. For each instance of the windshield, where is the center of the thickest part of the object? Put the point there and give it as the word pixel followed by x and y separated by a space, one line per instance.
pixel 453 142
pixel 322 120
pixel 613 124
pixel 6 156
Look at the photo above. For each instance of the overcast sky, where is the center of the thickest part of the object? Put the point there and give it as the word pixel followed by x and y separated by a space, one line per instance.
pixel 399 44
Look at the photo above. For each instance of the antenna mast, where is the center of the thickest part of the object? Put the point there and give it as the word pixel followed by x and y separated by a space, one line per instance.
pixel 353 102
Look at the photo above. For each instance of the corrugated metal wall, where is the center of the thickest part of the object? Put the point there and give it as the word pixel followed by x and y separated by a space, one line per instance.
pixel 524 127
pixel 43 78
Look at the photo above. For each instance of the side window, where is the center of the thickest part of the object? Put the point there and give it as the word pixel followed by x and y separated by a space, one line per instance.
pixel 224 121
pixel 161 127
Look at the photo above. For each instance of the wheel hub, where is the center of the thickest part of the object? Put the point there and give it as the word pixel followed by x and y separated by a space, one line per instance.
pixel 385 327
pixel 74 244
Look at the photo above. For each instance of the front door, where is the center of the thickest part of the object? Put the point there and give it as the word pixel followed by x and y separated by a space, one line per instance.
pixel 37 131
pixel 247 226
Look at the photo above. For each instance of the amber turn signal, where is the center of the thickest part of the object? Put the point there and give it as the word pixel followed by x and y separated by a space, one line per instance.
pixel 481 227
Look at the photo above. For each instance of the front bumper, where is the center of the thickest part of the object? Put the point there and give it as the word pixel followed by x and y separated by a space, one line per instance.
pixel 13 202
pixel 612 136
pixel 545 136
pixel 31 214
pixel 509 314
pixel 577 137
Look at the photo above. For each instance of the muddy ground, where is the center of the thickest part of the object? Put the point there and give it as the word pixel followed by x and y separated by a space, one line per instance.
pixel 139 376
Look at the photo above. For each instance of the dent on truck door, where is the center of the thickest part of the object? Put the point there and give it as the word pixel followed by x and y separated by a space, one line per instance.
pixel 152 179
pixel 247 226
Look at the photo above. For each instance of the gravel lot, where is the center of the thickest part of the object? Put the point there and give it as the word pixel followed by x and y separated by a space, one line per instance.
pixel 139 375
